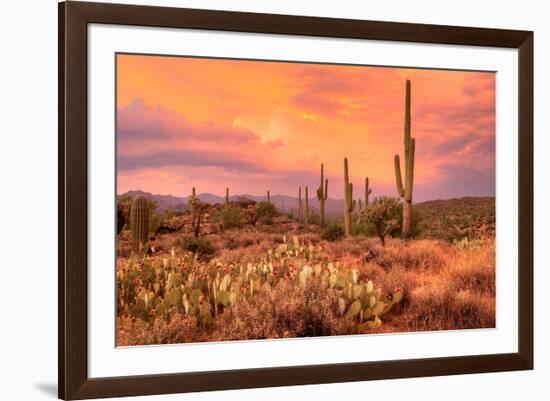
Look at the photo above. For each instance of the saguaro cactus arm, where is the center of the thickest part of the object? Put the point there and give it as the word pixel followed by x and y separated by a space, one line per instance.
pixel 410 172
pixel 398 180
pixel 322 190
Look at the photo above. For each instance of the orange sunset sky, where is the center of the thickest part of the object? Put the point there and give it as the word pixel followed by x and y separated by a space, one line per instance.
pixel 256 125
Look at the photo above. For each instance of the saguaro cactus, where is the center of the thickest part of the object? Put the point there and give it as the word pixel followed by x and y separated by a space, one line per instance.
pixel 226 197
pixel 322 193
pixel 406 191
pixel 306 210
pixel 367 192
pixel 191 201
pixel 268 196
pixel 299 204
pixel 349 202
pixel 139 224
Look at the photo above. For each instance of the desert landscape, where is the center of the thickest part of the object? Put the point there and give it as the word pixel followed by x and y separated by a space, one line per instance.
pixel 269 238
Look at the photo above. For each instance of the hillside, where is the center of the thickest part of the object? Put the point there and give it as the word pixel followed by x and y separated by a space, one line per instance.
pixel 470 217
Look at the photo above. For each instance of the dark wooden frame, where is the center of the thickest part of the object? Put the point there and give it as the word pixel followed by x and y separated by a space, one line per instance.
pixel 74 17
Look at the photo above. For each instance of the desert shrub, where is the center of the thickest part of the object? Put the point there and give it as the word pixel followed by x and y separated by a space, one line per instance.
pixel 201 247
pixel 332 232
pixel 314 218
pixel 380 215
pixel 229 218
pixel 417 255
pixel 437 306
pixel 362 229
pixel 267 221
pixel 475 271
pixel 267 209
pixel 179 329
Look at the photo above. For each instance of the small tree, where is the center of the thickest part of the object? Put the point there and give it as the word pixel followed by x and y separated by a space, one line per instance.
pixel 379 215
pixel 252 215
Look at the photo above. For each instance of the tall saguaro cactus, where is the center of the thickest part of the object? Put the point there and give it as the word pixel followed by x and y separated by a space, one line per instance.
pixel 306 210
pixel 299 204
pixel 268 196
pixel 406 191
pixel 322 193
pixel 349 202
pixel 367 192
pixel 139 224
pixel 191 201
pixel 226 197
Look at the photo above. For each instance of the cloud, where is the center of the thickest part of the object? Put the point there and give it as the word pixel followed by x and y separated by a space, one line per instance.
pixel 139 121
pixel 193 158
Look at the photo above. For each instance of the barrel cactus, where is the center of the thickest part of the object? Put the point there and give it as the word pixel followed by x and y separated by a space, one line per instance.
pixel 139 223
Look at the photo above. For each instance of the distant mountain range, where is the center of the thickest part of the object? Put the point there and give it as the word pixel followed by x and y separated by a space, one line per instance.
pixel 282 202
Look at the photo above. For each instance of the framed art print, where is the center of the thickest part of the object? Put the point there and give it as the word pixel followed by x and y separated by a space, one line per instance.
pixel 253 200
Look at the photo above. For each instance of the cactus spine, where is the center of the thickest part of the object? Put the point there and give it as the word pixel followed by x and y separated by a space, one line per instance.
pixel 406 191
pixel 139 222
pixel 226 197
pixel 322 193
pixel 306 210
pixel 349 202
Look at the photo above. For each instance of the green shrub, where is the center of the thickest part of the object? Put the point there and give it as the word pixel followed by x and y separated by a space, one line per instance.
pixel 332 232
pixel 266 210
pixel 267 220
pixel 229 218
pixel 314 218
pixel 362 229
pixel 199 246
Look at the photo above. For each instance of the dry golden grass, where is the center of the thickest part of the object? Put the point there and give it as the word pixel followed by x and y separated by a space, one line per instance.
pixel 445 287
